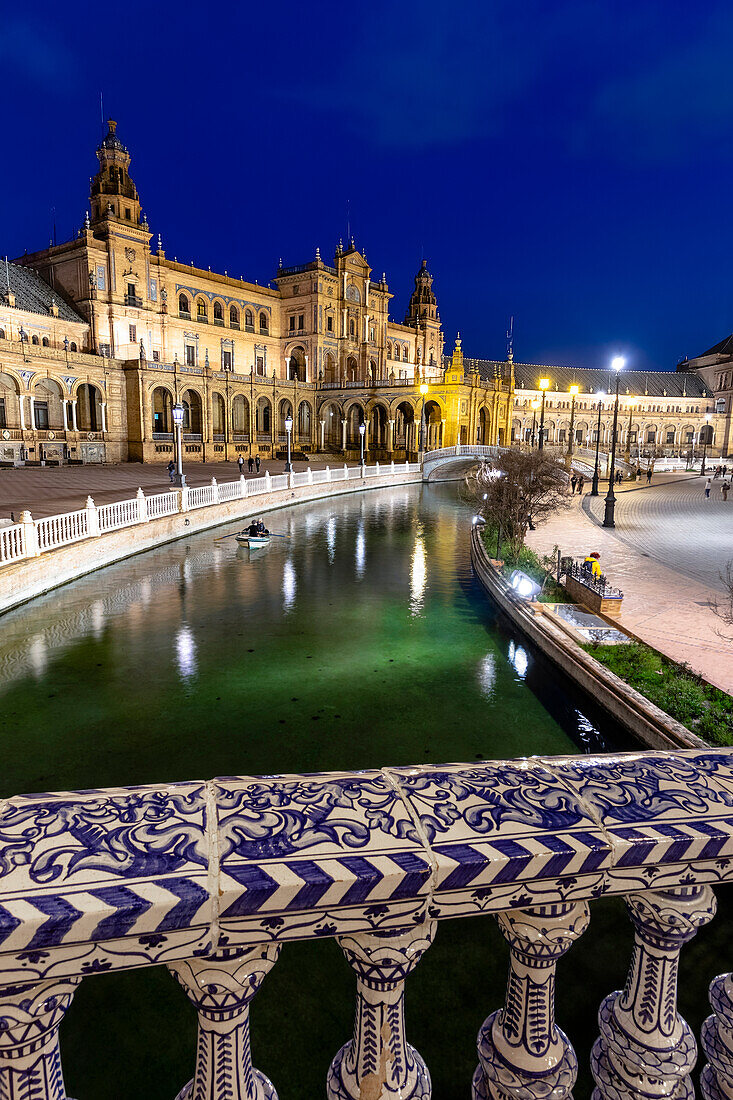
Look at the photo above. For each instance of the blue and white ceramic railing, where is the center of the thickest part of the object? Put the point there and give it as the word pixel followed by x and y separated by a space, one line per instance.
pixel 214 879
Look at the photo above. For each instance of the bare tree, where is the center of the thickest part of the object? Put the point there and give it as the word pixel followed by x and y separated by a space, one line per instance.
pixel 724 608
pixel 517 491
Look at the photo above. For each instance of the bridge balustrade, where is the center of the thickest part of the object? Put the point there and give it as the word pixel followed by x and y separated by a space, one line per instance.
pixel 214 879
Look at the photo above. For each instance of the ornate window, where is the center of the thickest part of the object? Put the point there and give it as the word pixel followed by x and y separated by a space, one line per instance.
pixel 201 311
pixel 72 346
pixel 233 317
pixel 34 339
pixel 352 293
pixel 45 342
pixel 264 326
pixel 249 320
pixel 184 306
pixel 218 313
pixel 352 327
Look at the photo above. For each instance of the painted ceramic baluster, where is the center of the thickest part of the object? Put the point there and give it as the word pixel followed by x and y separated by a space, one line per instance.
pixel 521 1050
pixel 221 987
pixel 716 1079
pixel 379 1062
pixel 30 1060
pixel 645 1048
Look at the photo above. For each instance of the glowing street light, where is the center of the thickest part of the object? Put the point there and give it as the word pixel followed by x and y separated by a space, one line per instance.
pixel 362 432
pixel 544 386
pixel 594 490
pixel 574 391
pixel 617 363
pixel 288 429
pixel 423 391
pixel 179 412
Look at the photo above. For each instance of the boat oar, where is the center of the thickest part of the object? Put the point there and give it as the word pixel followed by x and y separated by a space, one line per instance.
pixel 232 536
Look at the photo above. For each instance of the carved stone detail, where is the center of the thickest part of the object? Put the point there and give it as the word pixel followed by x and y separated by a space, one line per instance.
pixel 716 1079
pixel 645 1048
pixel 521 1050
pixel 379 1062
pixel 221 987
pixel 30 1016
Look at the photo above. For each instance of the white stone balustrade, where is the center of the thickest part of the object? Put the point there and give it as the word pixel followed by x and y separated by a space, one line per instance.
pixel 29 537
pixel 212 879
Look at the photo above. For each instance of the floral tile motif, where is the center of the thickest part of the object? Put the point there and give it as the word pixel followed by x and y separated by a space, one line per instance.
pixel 496 825
pixel 317 854
pixel 657 808
pixel 117 869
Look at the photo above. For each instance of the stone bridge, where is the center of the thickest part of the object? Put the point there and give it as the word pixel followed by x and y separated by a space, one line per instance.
pixel 450 463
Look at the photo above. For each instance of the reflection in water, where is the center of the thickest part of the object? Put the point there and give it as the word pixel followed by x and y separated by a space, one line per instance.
pixel 487 675
pixel 186 652
pixel 418 575
pixel 97 611
pixel 38 655
pixel 520 660
pixel 360 549
pixel 331 538
pixel 289 585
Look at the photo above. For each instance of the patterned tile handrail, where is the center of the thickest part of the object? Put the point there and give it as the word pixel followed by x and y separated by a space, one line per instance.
pixel 212 878
pixel 30 537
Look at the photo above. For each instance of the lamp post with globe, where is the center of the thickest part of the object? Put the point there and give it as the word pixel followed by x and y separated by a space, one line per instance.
pixel 617 363
pixel 178 412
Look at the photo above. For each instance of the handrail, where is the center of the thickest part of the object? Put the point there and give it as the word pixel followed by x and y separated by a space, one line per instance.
pixel 211 878
pixel 30 538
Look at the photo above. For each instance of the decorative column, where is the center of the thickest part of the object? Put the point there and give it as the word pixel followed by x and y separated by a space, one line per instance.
pixel 30 1060
pixel 343 435
pixel 323 434
pixel 716 1037
pixel 104 415
pixel 379 1062
pixel 74 425
pixel 21 403
pixel 32 411
pixel 645 1048
pixel 65 412
pixel 521 1050
pixel 221 987
pixel 390 435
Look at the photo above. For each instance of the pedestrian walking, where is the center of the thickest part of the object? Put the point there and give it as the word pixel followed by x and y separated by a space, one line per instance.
pixel 638 472
pixel 724 489
pixel 240 463
pixel 649 476
pixel 573 483
pixel 581 483
pixel 257 463
pixel 171 470
pixel 618 477
pixel 708 486
pixel 250 464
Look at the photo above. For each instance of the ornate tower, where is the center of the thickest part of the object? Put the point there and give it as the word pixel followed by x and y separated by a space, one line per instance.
pixel 113 193
pixel 422 315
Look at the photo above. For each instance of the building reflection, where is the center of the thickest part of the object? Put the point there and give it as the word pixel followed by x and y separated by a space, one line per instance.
pixel 185 652
pixel 289 585
pixel 418 576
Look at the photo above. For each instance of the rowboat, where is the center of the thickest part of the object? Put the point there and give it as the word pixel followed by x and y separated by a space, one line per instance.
pixel 253 541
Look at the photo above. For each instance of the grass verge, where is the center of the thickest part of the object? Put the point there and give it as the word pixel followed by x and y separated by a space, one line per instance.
pixel 674 688
pixel 529 562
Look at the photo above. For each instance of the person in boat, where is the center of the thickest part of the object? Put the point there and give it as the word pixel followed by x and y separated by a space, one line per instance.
pixel 254 528
pixel 261 529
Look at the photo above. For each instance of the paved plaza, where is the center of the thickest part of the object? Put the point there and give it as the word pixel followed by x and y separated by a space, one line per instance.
pixel 49 490
pixel 666 553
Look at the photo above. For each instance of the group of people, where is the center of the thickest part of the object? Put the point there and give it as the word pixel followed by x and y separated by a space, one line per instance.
pixel 256 528
pixel 577 481
pixel 252 464
pixel 718 472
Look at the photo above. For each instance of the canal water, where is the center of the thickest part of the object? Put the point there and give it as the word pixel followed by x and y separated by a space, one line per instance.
pixel 359 639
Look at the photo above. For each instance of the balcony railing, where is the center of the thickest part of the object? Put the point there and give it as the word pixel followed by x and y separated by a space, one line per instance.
pixel 133 300
pixel 184 315
pixel 375 859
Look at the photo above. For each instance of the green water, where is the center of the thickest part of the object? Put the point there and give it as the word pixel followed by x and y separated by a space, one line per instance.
pixel 360 641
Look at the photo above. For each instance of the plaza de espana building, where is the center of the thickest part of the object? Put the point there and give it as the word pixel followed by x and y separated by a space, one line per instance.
pixel 101 335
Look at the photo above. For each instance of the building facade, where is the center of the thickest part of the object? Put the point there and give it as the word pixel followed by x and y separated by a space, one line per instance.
pixel 101 335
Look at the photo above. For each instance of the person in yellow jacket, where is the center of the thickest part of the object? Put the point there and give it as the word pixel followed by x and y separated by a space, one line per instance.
pixel 592 565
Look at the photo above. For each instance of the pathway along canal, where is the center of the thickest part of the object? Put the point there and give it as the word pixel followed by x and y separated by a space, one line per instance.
pixel 359 641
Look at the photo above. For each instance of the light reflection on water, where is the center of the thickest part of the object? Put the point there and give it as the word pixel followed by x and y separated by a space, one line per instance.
pixel 360 641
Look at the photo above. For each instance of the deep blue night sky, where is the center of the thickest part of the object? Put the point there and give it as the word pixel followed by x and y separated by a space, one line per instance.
pixel 568 162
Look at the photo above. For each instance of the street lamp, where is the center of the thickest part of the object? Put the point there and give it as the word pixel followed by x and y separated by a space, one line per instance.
pixel 627 452
pixel 535 407
pixel 705 444
pixel 544 386
pixel 574 391
pixel 423 391
pixel 362 433
pixel 178 414
pixel 617 364
pixel 594 490
pixel 288 429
